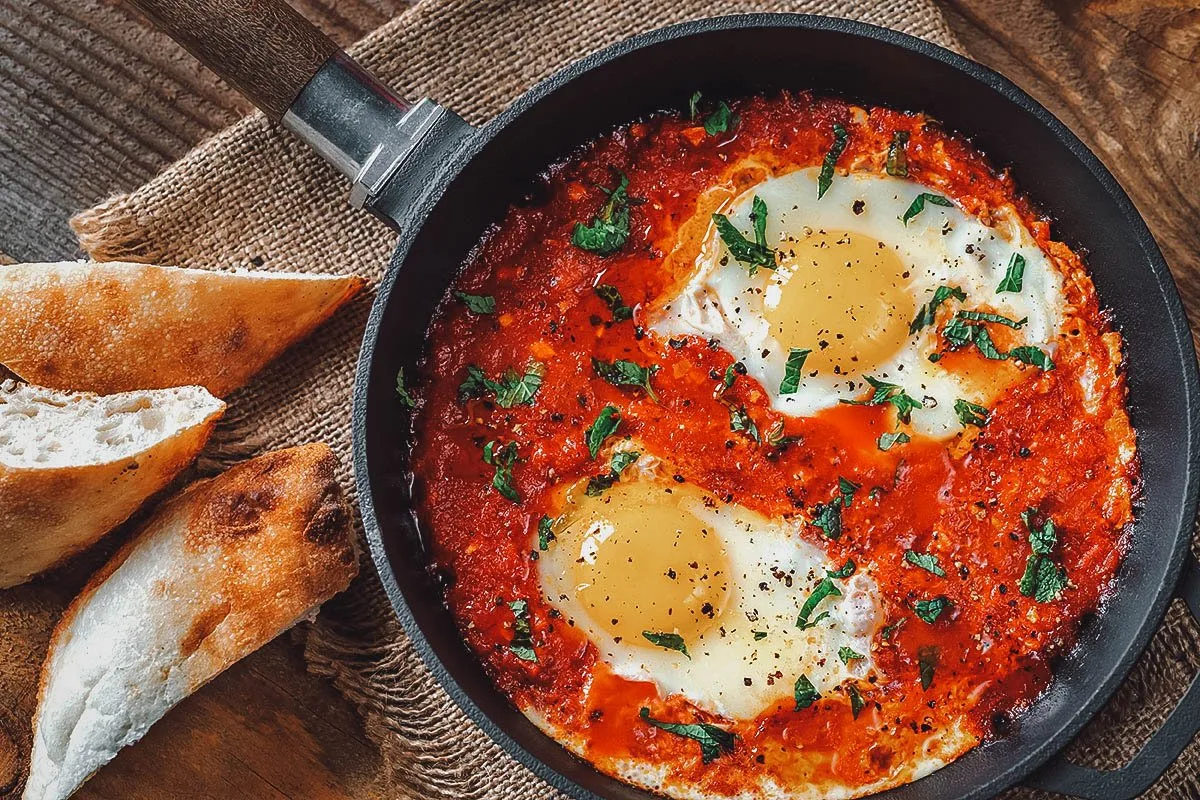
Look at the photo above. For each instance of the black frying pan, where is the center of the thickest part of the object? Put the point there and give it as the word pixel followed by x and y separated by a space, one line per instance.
pixel 440 183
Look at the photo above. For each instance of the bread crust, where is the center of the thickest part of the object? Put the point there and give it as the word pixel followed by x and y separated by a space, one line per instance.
pixel 213 575
pixel 117 327
pixel 49 514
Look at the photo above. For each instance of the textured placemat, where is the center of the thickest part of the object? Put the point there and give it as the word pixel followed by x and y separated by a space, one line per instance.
pixel 254 197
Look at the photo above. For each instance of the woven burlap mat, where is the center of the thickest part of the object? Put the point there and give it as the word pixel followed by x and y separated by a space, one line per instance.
pixel 254 197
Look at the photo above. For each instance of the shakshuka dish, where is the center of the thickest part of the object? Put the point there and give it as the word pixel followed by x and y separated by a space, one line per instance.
pixel 773 448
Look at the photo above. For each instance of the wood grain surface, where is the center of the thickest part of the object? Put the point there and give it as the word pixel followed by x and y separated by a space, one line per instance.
pixel 93 102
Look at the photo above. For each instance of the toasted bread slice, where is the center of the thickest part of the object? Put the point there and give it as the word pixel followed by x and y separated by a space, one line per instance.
pixel 119 327
pixel 74 466
pixel 215 574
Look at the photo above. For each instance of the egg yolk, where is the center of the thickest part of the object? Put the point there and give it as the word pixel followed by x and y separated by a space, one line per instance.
pixel 845 296
pixel 641 562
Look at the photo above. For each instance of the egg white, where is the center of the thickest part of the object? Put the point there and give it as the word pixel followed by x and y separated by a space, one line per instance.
pixel 772 571
pixel 940 246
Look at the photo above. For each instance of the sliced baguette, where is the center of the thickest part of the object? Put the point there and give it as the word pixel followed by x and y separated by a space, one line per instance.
pixel 215 574
pixel 74 466
pixel 120 327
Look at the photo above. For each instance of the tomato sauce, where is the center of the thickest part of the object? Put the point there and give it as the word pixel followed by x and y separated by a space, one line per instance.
pixel 1059 441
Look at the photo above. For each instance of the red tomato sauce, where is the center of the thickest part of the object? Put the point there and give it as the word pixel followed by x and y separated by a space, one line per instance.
pixel 1047 446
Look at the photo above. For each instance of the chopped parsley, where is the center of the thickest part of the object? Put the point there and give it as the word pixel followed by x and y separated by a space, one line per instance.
pixel 897 160
pixel 1043 579
pixel 889 393
pixel 930 610
pixel 889 631
pixel 608 231
pixel 719 121
pixel 513 388
pixel 502 457
pixel 731 373
pixel 825 179
pixel 713 741
pixel 1013 275
pixel 759 635
pixel 959 333
pixel 887 441
pixel 521 645
pixel 847 488
pixel 844 571
pixel 828 517
pixel 791 372
pixel 926 561
pixel 983 316
pixel 847 654
pixel 754 254
pixel 477 303
pixel 825 588
pixel 918 205
pixel 740 421
pixel 616 304
pixel 402 393
pixel 804 693
pixel 545 533
pixel 857 704
pixel 599 484
pixel 626 373
pixel 1034 356
pixel 927 661
pixel 926 314
pixel 971 414
pixel 667 641
pixel 605 425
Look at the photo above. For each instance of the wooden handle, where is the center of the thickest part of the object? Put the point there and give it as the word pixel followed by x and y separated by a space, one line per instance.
pixel 262 47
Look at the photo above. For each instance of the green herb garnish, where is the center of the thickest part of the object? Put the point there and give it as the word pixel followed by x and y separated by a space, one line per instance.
pixel 626 373
pixel 983 316
pixel 513 388
pixel 828 517
pixel 667 641
pixel 502 457
pixel 847 654
pixel 1043 579
pixel 740 421
pixel 971 414
pixel 599 484
pixel 720 121
pixel 713 741
pixel 731 373
pixel 477 303
pixel 926 561
pixel 1013 275
pixel 959 333
pixel 889 393
pixel 1028 354
pixel 616 304
pixel 918 205
pixel 791 372
pixel 608 231
pixel 826 588
pixel 825 179
pixel 844 571
pixel 888 440
pixel 926 314
pixel 805 693
pixel 897 159
pixel 402 392
pixel 847 488
pixel 930 610
pixel 857 704
pixel 545 533
pixel 753 254
pixel 522 640
pixel 927 661
pixel 759 635
pixel 605 425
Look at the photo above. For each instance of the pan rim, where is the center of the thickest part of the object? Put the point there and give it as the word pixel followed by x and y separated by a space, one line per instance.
pixel 1181 351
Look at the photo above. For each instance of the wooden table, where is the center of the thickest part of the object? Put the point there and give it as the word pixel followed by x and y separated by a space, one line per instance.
pixel 92 102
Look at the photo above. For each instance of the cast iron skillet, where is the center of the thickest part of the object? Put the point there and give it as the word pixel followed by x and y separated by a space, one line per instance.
pixel 442 183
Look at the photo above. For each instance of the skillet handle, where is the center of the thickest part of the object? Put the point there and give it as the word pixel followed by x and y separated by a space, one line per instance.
pixel 262 47
pixel 1064 777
